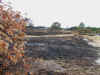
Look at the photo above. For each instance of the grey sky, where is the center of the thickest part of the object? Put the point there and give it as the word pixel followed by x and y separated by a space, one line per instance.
pixel 67 12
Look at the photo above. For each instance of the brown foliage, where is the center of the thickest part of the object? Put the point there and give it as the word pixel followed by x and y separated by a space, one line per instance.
pixel 12 28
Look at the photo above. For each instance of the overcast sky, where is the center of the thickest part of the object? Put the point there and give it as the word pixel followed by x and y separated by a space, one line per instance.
pixel 67 12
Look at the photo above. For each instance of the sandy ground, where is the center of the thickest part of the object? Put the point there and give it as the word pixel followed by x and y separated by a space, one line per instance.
pixel 95 42
pixel 64 35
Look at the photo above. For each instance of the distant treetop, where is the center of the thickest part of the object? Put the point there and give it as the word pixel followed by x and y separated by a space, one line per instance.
pixel 56 25
pixel 82 25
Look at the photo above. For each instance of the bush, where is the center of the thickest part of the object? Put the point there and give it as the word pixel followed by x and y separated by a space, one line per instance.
pixel 12 28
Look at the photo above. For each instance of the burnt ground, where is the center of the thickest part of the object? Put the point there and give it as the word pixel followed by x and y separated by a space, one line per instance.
pixel 66 48
pixel 67 54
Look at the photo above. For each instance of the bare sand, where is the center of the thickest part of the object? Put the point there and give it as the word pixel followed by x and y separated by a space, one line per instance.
pixel 95 42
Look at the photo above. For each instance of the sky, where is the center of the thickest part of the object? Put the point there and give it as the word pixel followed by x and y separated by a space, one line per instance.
pixel 67 12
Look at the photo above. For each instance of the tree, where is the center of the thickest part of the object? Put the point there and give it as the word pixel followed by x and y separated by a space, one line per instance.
pixel 81 25
pixel 56 26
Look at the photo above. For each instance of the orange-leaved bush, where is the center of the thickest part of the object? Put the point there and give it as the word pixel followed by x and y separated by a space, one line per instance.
pixel 12 28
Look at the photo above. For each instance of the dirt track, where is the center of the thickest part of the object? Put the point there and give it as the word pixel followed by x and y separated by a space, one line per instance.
pixel 64 35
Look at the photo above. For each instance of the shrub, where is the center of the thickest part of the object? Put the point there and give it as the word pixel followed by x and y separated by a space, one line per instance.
pixel 12 28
